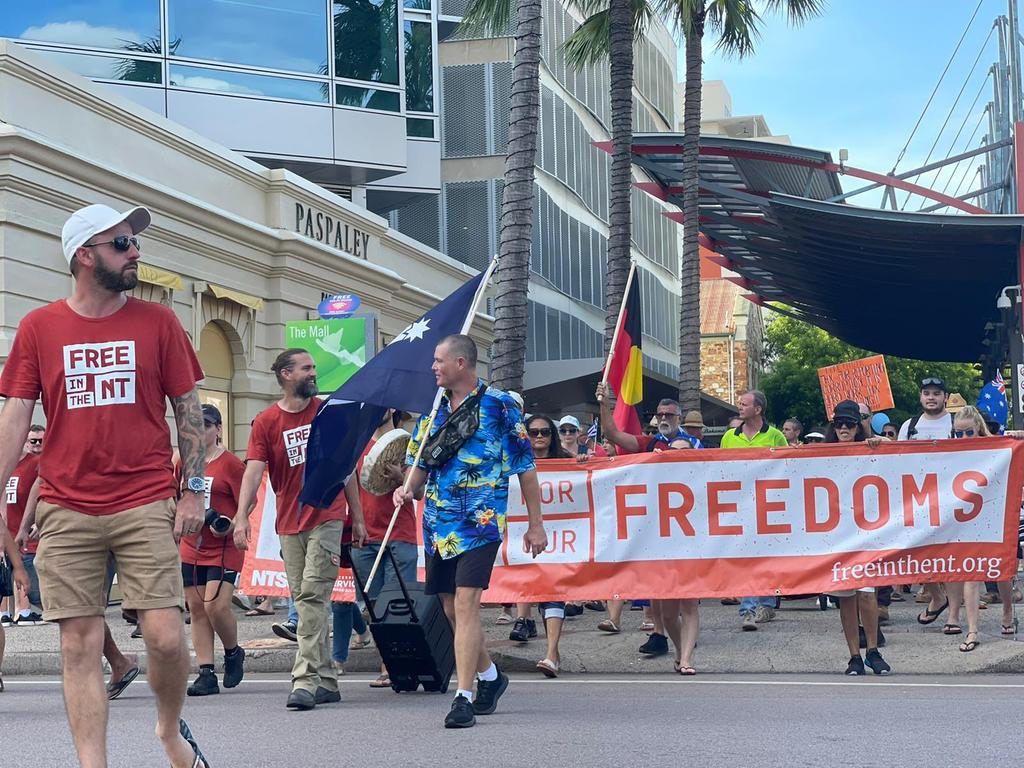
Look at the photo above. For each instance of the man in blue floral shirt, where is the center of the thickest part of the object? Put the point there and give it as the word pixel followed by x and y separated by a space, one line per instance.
pixel 464 515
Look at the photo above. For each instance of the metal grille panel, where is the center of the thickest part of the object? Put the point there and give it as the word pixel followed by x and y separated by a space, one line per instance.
pixel 465 127
pixel 468 226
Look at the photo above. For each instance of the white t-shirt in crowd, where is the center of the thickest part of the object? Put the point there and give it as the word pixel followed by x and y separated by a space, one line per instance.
pixel 929 428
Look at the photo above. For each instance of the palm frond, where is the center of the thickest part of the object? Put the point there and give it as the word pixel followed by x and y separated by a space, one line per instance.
pixel 737 25
pixel 798 12
pixel 490 18
pixel 591 43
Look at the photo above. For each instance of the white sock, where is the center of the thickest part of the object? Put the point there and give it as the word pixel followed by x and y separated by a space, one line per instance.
pixel 467 694
pixel 489 675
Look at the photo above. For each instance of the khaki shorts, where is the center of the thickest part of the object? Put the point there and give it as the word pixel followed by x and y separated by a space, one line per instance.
pixel 74 549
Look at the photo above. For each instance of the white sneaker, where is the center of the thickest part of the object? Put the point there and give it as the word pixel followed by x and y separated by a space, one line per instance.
pixel 503 618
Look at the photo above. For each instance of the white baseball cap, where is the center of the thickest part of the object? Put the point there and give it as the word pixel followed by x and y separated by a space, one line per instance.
pixel 93 219
pixel 569 421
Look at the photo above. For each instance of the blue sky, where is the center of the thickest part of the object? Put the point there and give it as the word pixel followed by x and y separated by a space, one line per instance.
pixel 859 76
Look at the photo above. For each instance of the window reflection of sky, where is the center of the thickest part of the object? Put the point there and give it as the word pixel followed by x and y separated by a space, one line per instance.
pixel 241 83
pixel 277 34
pixel 107 67
pixel 93 24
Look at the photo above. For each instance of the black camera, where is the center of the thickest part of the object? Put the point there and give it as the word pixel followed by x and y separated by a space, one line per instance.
pixel 217 522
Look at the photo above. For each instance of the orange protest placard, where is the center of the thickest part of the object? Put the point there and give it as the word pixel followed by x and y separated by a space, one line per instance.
pixel 864 381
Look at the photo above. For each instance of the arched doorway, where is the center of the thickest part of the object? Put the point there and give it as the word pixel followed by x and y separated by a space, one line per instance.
pixel 218 364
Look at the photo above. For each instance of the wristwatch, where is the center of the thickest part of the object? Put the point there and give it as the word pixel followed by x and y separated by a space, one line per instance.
pixel 196 485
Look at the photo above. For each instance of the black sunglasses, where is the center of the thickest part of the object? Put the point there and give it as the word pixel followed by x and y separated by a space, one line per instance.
pixel 666 414
pixel 121 243
pixel 964 432
pixel 568 430
pixel 888 433
pixel 35 441
pixel 838 423
pixel 540 432
pixel 650 431
pixel 932 382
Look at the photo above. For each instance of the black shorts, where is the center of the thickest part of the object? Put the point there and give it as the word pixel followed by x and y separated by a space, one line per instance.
pixel 470 569
pixel 198 575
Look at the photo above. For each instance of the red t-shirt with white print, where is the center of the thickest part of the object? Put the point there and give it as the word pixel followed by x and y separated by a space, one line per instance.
pixel 104 384
pixel 18 487
pixel 223 478
pixel 278 439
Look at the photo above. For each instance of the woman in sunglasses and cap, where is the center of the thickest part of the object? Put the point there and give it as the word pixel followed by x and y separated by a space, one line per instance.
pixel 848 427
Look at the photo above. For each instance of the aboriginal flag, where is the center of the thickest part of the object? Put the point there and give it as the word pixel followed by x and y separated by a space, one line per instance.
pixel 626 374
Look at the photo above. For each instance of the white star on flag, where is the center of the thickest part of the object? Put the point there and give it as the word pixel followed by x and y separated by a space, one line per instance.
pixel 413 331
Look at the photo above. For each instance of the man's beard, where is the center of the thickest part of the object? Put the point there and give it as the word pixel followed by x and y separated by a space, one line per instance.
pixel 307 389
pixel 666 429
pixel 112 280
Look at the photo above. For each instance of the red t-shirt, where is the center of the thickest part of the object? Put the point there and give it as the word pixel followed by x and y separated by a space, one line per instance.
pixel 104 384
pixel 223 485
pixel 377 511
pixel 279 438
pixel 18 487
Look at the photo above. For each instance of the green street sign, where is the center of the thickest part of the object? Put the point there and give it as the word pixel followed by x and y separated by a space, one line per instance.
pixel 338 347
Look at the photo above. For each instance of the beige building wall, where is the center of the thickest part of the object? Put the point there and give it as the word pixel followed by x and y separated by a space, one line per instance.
pixel 237 250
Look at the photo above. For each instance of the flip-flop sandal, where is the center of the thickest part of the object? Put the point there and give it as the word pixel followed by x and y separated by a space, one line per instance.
pixel 1009 629
pixel 686 671
pixel 609 626
pixel 548 667
pixel 258 612
pixel 115 689
pixel 186 734
pixel 952 629
pixel 647 626
pixel 969 645
pixel 930 616
pixel 382 681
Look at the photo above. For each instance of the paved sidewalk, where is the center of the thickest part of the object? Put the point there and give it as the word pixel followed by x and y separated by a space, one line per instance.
pixel 802 639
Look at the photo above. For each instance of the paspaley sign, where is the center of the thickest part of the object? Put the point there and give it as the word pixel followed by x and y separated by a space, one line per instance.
pixel 331 231
pixel 339 305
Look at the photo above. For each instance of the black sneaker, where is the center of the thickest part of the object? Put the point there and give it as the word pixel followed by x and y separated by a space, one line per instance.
pixel 327 696
pixel 461 714
pixel 856 666
pixel 28 619
pixel 6 620
pixel 488 692
pixel 862 639
pixel 300 699
pixel 285 629
pixel 234 667
pixel 521 630
pixel 656 645
pixel 531 628
pixel 573 609
pixel 874 661
pixel 205 684
pixel 137 632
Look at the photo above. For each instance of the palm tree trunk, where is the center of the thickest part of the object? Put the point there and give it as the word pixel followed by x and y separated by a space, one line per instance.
pixel 689 300
pixel 620 32
pixel 512 277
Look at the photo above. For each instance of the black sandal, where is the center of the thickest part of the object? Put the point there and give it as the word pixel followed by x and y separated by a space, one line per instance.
pixel 969 645
pixel 929 616
pixel 186 733
pixel 952 629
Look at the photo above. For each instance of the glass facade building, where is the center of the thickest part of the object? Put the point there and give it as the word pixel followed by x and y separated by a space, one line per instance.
pixel 570 232
pixel 352 72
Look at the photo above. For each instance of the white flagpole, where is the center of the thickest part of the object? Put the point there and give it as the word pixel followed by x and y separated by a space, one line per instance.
pixel 466 325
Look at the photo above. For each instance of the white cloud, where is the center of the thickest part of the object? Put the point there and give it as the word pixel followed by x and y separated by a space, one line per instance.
pixel 81 33
pixel 200 82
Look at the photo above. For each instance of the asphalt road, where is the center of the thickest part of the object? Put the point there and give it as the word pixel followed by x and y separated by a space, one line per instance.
pixel 772 720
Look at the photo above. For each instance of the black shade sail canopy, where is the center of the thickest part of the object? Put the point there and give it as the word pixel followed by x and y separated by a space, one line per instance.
pixel 916 285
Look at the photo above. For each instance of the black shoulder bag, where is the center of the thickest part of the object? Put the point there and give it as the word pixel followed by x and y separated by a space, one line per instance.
pixel 461 425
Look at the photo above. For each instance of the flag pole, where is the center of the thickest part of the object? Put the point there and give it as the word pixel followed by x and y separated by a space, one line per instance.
pixel 466 325
pixel 618 321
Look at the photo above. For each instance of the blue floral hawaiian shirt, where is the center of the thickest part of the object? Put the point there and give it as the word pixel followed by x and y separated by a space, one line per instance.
pixel 466 499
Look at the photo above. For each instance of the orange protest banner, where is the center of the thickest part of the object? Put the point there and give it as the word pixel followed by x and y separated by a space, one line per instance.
pixel 711 523
pixel 263 570
pixel 864 381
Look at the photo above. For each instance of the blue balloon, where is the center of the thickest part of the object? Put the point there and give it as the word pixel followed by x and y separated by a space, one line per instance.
pixel 878 422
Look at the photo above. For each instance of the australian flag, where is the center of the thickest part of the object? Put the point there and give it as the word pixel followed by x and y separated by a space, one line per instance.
pixel 399 376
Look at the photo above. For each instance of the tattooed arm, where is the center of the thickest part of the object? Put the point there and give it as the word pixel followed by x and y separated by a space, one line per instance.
pixel 191 445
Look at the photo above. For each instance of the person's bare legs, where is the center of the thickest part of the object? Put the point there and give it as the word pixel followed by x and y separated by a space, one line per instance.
pixel 163 630
pixel 1006 597
pixel 657 617
pixel 972 598
pixel 119 662
pixel 936 594
pixel 553 632
pixel 690 630
pixel 867 602
pixel 202 629
pixel 85 698
pixel 220 615
pixel 955 595
pixel 615 611
pixel 848 619
pixel 669 610
pixel 524 610
pixel 463 610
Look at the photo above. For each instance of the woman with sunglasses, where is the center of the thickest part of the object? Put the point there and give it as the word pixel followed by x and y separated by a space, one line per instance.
pixel 970 423
pixel 848 427
pixel 546 445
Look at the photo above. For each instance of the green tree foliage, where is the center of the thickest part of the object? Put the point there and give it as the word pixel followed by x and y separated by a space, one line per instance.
pixel 794 351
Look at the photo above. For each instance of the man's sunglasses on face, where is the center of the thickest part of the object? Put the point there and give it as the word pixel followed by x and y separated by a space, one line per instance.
pixel 540 432
pixel 567 430
pixel 888 433
pixel 35 441
pixel 121 243
pixel 666 414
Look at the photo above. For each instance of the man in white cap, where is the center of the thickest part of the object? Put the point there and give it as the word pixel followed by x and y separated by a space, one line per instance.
pixel 105 366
